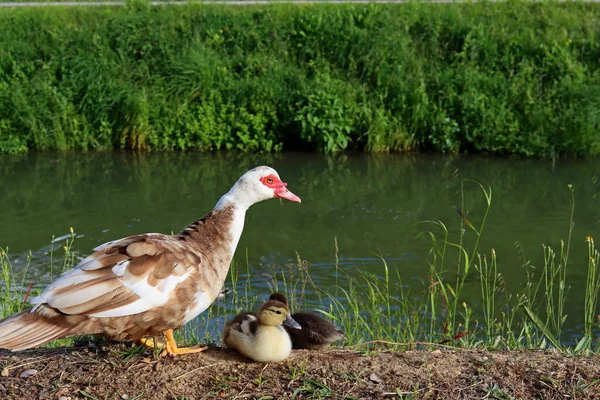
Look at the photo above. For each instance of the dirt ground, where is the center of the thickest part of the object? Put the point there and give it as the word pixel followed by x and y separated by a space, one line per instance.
pixel 116 372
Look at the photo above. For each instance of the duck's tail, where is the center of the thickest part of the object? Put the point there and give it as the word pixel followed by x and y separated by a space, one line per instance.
pixel 30 329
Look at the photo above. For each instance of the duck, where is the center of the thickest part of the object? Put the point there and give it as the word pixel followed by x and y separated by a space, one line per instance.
pixel 316 334
pixel 147 285
pixel 261 336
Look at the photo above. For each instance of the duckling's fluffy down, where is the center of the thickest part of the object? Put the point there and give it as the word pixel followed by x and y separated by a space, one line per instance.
pixel 255 341
pixel 316 333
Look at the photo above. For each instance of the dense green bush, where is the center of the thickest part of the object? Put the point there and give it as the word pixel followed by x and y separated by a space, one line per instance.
pixel 508 78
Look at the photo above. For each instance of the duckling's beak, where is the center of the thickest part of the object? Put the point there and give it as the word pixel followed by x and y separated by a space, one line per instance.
pixel 289 321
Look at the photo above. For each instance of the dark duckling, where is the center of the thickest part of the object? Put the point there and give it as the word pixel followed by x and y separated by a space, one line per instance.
pixel 316 333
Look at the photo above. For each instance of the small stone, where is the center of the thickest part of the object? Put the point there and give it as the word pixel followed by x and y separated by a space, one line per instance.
pixel 4 372
pixel 64 398
pixel 28 373
pixel 375 378
pixel 438 351
pixel 125 397
pixel 63 392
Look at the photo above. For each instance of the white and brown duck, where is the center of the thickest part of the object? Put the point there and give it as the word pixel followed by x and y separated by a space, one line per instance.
pixel 146 285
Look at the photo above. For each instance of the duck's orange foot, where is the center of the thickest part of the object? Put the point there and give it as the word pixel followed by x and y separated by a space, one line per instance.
pixel 153 343
pixel 169 351
pixel 171 348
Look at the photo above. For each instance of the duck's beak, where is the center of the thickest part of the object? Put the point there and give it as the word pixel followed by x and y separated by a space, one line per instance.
pixel 284 193
pixel 289 321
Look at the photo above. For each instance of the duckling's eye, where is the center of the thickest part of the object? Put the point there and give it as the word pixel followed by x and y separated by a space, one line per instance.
pixel 278 312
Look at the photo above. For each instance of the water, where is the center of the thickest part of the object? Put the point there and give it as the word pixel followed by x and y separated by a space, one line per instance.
pixel 372 205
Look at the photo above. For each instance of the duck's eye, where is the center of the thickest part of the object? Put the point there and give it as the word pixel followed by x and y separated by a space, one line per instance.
pixel 269 180
pixel 278 312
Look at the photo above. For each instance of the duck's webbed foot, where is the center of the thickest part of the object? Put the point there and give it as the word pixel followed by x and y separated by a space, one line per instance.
pixel 171 348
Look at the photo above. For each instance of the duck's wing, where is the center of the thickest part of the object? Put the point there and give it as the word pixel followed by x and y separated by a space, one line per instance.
pixel 246 323
pixel 243 324
pixel 123 277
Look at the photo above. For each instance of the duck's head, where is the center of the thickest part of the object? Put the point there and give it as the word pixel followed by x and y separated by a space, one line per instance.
pixel 279 297
pixel 258 184
pixel 275 313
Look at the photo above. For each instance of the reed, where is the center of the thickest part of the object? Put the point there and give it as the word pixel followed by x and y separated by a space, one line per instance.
pixel 592 287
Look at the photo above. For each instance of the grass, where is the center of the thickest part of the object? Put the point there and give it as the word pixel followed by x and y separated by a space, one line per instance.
pixel 503 78
pixel 376 309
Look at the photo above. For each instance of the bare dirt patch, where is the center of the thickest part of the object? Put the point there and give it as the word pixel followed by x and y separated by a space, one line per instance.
pixel 107 373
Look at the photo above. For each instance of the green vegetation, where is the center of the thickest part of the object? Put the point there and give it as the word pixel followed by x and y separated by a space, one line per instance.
pixel 16 289
pixel 508 78
pixel 378 307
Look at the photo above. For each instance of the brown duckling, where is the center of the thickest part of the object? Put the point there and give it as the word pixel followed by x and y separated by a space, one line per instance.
pixel 316 333
pixel 261 336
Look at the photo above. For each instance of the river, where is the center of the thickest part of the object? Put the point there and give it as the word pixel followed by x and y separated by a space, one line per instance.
pixel 372 205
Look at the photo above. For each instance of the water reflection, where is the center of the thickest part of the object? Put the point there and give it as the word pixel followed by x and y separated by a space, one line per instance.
pixel 372 205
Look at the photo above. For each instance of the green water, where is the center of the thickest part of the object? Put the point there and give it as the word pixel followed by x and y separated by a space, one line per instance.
pixel 372 204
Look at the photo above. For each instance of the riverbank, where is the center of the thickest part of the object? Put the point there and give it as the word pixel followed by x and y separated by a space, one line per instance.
pixel 104 373
pixel 501 78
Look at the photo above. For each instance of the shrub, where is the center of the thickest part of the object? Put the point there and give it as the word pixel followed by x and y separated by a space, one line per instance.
pixel 507 78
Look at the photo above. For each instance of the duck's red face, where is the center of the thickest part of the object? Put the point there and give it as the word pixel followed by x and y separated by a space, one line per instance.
pixel 279 188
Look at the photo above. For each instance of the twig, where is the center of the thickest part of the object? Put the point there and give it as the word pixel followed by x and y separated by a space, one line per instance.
pixel 27 292
pixel 378 341
pixel 242 391
pixel 189 372
pixel 402 393
pixel 34 361
pixel 172 394
pixel 469 387
pixel 407 344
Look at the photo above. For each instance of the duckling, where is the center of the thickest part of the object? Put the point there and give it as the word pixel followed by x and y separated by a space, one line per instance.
pixel 261 336
pixel 316 333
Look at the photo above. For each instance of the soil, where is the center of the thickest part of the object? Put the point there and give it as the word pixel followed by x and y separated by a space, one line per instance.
pixel 117 372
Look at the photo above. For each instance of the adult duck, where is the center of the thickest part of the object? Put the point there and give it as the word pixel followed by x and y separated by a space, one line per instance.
pixel 261 336
pixel 149 284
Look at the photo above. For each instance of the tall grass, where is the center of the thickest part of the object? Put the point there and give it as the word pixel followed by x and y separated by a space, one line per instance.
pixel 592 287
pixel 17 288
pixel 505 78
pixel 378 306
pixel 12 295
